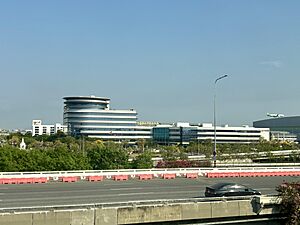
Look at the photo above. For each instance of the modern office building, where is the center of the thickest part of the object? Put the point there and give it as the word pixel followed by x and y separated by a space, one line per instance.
pixel 282 127
pixel 40 129
pixel 183 133
pixel 283 136
pixel 91 116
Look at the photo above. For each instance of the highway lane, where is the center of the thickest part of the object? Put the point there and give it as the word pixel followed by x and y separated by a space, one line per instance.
pixel 108 191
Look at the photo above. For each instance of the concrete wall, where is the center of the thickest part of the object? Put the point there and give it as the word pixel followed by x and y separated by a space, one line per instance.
pixel 142 213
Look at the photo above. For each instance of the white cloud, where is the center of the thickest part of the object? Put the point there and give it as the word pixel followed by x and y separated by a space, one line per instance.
pixel 272 63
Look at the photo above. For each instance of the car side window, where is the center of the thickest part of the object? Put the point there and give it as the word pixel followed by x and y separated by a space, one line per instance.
pixel 224 188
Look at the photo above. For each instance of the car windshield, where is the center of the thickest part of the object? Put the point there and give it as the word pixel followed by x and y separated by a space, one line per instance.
pixel 237 186
pixel 221 185
pixel 227 185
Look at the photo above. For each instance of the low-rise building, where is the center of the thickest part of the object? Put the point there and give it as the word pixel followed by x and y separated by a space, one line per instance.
pixel 40 129
pixel 184 133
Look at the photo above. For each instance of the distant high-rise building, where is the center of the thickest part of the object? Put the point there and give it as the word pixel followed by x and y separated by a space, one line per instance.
pixel 91 116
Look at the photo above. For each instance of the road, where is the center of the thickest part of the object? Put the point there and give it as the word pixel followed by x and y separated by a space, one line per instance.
pixel 108 191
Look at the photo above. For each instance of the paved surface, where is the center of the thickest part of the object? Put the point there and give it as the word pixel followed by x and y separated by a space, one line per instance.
pixel 24 195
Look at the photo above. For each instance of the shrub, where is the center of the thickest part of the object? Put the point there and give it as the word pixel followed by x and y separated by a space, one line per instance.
pixel 290 205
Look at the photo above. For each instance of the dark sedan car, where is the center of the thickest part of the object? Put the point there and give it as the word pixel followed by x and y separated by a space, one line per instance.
pixel 229 189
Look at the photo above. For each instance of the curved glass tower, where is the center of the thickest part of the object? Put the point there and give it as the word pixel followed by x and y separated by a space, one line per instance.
pixel 91 116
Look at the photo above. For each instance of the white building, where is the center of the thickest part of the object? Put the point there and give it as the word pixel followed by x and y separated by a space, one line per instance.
pixel 40 129
pixel 183 133
pixel 227 134
pixel 283 136
pixel 91 116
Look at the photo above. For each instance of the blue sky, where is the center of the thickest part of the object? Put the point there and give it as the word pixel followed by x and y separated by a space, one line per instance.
pixel 160 57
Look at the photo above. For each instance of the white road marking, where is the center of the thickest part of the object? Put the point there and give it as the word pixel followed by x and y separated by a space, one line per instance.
pixel 121 189
pixel 145 193
pixel 117 184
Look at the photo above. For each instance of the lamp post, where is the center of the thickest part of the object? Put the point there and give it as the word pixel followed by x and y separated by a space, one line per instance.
pixel 215 133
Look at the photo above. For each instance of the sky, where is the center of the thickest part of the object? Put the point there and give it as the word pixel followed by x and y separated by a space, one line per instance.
pixel 159 57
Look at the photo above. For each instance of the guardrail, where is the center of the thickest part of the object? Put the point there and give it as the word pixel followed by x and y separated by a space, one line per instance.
pixel 90 175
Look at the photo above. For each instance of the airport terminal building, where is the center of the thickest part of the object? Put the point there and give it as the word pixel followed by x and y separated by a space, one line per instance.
pixel 91 116
pixel 184 133
pixel 282 128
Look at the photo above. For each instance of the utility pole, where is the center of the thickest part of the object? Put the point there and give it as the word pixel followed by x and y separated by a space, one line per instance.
pixel 215 126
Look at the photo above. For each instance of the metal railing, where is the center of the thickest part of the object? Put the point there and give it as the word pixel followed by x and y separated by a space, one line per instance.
pixel 134 172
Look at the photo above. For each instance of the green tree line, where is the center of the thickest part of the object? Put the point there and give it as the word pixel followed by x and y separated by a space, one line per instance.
pixel 61 152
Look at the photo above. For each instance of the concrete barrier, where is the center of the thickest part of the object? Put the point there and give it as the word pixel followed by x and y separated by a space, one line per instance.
pixel 69 179
pixel 206 211
pixel 192 175
pixel 16 219
pixel 145 177
pixel 121 177
pixel 95 178
pixel 169 176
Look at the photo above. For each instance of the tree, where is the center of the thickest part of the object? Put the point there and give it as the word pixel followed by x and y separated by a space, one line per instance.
pixel 290 204
pixel 170 153
pixel 150 144
pixel 15 140
pixel 8 156
pixel 143 161
pixel 141 144
pixel 192 148
pixel 109 156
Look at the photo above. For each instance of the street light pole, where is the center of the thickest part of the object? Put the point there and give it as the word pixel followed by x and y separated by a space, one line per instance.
pixel 215 128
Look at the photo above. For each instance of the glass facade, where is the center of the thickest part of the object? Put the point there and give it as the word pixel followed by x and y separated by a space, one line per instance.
pixel 289 124
pixel 91 116
pixel 183 135
pixel 161 134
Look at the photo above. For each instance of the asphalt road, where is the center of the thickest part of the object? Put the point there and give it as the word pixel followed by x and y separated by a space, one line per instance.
pixel 109 191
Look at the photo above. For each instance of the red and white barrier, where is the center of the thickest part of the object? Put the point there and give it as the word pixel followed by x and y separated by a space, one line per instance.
pixel 23 180
pixel 95 178
pixel 169 176
pixel 145 176
pixel 69 179
pixel 192 175
pixel 121 177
